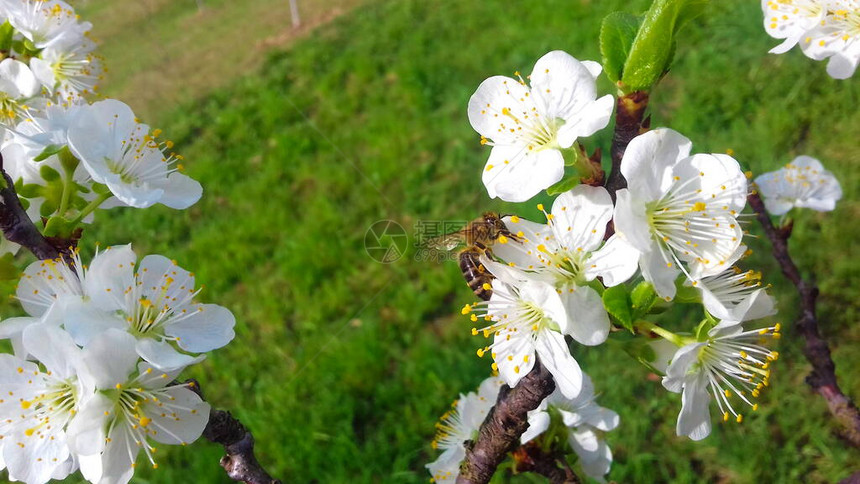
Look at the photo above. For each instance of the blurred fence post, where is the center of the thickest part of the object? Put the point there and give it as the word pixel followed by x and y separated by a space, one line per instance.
pixel 294 13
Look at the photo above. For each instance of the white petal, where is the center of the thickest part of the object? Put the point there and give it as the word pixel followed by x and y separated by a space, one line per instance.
pixel 631 222
pixel 84 321
pixel 206 330
pixel 520 347
pixel 119 455
pixel 54 348
pixel 842 65
pixel 555 356
pixel 86 431
pixel 580 216
pixel 516 174
pixel 16 72
pixel 694 421
pixel 110 358
pixel 648 161
pixel 163 356
pixel 656 270
pixel 614 263
pixel 681 363
pixel 180 191
pixel 722 182
pixel 561 86
pixel 589 323
pixel 495 95
pixel 162 280
pixel 110 275
pixel 593 67
pixel 186 421
pixel 590 119
pixel 538 423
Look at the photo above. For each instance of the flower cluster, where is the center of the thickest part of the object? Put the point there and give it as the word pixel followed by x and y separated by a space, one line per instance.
pixel 92 382
pixel 600 264
pixel 824 29
pixel 68 157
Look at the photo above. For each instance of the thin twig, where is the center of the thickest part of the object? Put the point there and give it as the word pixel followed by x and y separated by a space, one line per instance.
pixel 531 458
pixel 240 463
pixel 823 376
pixel 507 421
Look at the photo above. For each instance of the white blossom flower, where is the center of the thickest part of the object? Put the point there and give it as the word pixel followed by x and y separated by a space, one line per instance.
pixel 155 304
pixel 70 71
pixel 528 319
pixel 803 183
pixel 460 424
pixel 133 406
pixel 587 422
pixel 122 154
pixel 735 295
pixel 38 405
pixel 679 208
pixel 729 363
pixel 529 125
pixel 837 37
pixel 568 252
pixel 791 20
pixel 45 289
pixel 46 23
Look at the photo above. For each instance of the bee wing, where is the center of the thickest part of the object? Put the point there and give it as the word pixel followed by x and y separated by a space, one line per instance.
pixel 447 242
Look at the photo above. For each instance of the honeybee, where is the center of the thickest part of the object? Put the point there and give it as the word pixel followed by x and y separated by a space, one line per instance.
pixel 478 236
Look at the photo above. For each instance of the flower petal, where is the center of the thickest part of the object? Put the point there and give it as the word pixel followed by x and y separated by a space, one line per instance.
pixel 580 216
pixel 589 323
pixel 614 263
pixel 555 355
pixel 694 421
pixel 515 174
pixel 648 160
pixel 209 328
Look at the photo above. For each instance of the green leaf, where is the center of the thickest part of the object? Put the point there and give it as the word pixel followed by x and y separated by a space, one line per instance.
pixel 616 38
pixel 616 300
pixel 563 186
pixel 8 270
pixel 58 227
pixel 49 150
pixel 642 298
pixel 29 190
pixel 654 46
pixel 49 174
pixel 6 33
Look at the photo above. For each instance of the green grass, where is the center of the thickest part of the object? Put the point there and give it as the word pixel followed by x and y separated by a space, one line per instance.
pixel 341 365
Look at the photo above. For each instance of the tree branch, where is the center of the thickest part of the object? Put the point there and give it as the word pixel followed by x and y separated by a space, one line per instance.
pixel 16 224
pixel 629 123
pixel 531 458
pixel 823 376
pixel 240 463
pixel 507 421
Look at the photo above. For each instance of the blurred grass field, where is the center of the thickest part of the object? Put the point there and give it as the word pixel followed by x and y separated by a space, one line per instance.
pixel 341 365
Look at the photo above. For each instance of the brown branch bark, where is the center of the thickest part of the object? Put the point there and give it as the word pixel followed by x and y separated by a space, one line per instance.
pixel 240 463
pixel 507 421
pixel 16 224
pixel 531 458
pixel 823 376
pixel 852 479
pixel 629 123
